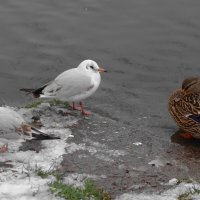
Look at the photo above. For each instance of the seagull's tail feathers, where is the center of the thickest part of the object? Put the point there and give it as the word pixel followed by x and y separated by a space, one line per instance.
pixel 39 135
pixel 35 92
pixel 27 90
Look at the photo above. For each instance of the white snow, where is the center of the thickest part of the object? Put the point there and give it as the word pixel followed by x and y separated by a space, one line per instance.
pixel 20 182
pixel 24 187
pixel 171 194
pixel 157 163
pixel 78 179
pixel 173 181
pixel 137 143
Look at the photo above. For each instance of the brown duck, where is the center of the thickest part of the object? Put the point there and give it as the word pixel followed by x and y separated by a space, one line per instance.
pixel 184 106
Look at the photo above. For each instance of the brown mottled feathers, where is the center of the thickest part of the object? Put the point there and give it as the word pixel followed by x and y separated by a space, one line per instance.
pixel 191 84
pixel 184 106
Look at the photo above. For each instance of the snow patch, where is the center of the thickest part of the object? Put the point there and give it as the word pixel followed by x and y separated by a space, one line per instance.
pixel 18 180
pixel 137 143
pixel 78 179
pixel 171 194
pixel 173 181
pixel 100 151
pixel 157 163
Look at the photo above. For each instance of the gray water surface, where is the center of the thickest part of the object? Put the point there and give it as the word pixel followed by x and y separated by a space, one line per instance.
pixel 147 46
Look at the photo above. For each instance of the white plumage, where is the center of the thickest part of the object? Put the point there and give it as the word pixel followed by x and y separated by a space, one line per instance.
pixel 73 85
pixel 10 121
pixel 13 126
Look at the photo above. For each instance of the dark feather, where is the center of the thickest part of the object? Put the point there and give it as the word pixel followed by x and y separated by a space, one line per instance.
pixel 36 92
pixel 42 136
pixel 196 118
pixel 27 90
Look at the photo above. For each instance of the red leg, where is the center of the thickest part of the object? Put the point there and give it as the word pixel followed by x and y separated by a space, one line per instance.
pixel 187 136
pixel 4 148
pixel 83 111
pixel 74 107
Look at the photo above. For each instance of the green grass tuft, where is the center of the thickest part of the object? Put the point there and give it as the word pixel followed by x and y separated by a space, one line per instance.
pixel 54 102
pixel 33 104
pixel 188 194
pixel 184 181
pixel 69 192
pixel 44 174
pixel 88 192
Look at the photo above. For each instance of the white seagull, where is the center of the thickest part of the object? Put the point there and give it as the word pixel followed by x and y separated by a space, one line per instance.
pixel 13 126
pixel 73 85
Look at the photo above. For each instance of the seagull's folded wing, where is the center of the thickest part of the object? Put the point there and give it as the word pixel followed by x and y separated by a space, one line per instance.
pixel 70 83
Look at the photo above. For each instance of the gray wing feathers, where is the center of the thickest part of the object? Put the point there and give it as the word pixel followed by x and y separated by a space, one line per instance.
pixel 68 84
pixel 9 121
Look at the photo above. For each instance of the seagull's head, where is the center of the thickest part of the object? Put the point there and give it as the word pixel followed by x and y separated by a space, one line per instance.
pixel 90 66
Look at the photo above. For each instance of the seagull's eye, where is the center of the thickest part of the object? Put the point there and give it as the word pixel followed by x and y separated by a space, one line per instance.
pixel 91 67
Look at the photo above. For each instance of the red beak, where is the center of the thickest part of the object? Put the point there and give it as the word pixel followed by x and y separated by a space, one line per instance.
pixel 102 70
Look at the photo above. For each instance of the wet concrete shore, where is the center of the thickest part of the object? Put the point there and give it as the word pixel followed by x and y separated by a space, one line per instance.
pixel 128 161
pixel 120 158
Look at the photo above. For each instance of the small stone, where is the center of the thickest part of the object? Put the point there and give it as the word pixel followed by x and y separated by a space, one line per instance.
pixel 114 184
pixel 156 163
pixel 169 164
pixel 173 181
pixel 169 151
pixel 44 105
pixel 71 136
pixel 103 176
pixel 137 143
